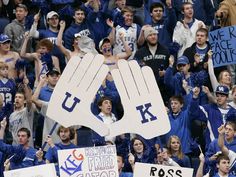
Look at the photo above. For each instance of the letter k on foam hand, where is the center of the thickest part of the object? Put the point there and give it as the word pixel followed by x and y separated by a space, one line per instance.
pixel 144 110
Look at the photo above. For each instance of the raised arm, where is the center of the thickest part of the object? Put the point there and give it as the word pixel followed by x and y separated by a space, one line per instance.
pixel 111 36
pixel 59 40
pixel 213 79
pixel 3 127
pixel 28 93
pixel 201 165
pixel 35 97
pixel 223 148
pixel 29 56
pixel 33 30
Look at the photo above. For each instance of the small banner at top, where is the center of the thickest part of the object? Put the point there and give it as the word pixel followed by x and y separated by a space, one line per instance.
pixel 98 161
pixel 152 170
pixel 35 171
pixel 223 45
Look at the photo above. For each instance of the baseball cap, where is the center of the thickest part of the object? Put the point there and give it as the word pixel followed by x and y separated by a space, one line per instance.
pixel 4 38
pixel 149 30
pixel 222 89
pixel 182 60
pixel 51 14
pixel 102 42
pixel 53 71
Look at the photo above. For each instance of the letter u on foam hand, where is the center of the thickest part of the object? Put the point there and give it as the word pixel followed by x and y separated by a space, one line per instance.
pixel 74 93
pixel 144 110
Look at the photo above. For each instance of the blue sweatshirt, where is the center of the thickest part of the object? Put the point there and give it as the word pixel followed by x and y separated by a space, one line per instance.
pixel 214 148
pixel 210 114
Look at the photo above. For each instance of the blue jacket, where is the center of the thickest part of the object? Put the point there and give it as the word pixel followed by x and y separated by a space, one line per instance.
pixel 185 162
pixel 217 175
pixel 212 149
pixel 210 114
pixel 126 174
pixel 22 157
pixel 74 28
pixel 165 28
pixel 180 126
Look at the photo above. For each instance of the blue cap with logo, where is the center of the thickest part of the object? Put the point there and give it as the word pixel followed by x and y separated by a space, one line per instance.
pixel 4 38
pixel 182 60
pixel 222 89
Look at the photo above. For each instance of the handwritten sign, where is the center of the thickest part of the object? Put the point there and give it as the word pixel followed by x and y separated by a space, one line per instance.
pixel 223 45
pixel 36 171
pixel 150 170
pixel 88 162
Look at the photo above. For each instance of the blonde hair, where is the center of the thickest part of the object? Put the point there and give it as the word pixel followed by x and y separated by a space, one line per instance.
pixel 3 65
pixel 170 152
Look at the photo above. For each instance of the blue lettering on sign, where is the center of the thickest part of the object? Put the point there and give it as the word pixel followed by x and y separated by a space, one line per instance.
pixel 146 111
pixel 70 166
pixel 70 109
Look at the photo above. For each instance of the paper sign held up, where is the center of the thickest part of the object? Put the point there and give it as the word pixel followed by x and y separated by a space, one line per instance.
pixel 88 162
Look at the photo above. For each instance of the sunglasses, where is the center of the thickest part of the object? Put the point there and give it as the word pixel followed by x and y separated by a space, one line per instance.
pixel 181 65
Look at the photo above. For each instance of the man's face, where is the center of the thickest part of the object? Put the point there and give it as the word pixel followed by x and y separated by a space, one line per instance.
pixel 157 14
pixel 201 38
pixel 21 13
pixel 54 21
pixel 43 50
pixel 183 68
pixel 106 48
pixel 128 17
pixel 22 138
pixel 152 39
pixel 79 16
pixel 65 135
pixel 229 132
pixel 221 99
pixel 6 46
pixel 223 166
pixel 188 11
pixel 106 107
pixel 4 72
pixel 120 3
pixel 175 106
pixel 53 79
pixel 19 100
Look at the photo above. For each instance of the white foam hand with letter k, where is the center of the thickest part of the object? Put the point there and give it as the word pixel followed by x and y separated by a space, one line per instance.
pixel 72 97
pixel 144 110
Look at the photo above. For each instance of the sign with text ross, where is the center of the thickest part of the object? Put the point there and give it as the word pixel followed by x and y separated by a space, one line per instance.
pixel 97 161
pixel 223 45
pixel 151 170
pixel 36 171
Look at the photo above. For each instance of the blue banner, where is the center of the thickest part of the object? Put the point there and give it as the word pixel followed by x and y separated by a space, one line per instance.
pixel 223 45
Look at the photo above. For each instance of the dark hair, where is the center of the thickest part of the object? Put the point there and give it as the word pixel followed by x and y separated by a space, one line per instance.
pixel 71 129
pixel 122 157
pixel 222 157
pixel 132 144
pixel 184 4
pixel 178 98
pixel 26 130
pixel 156 5
pixel 100 101
pixel 204 30
pixel 20 91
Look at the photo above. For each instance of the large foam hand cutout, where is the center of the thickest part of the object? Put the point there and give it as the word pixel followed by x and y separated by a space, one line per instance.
pixel 74 93
pixel 144 110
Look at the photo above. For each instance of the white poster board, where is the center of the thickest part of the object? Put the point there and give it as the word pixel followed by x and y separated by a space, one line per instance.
pixel 153 170
pixel 88 162
pixel 35 171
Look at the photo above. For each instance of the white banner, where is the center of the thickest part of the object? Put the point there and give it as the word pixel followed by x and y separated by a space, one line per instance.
pixel 152 170
pixel 36 171
pixel 98 161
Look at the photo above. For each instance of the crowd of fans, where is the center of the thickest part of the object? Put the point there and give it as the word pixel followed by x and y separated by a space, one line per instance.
pixel 39 37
